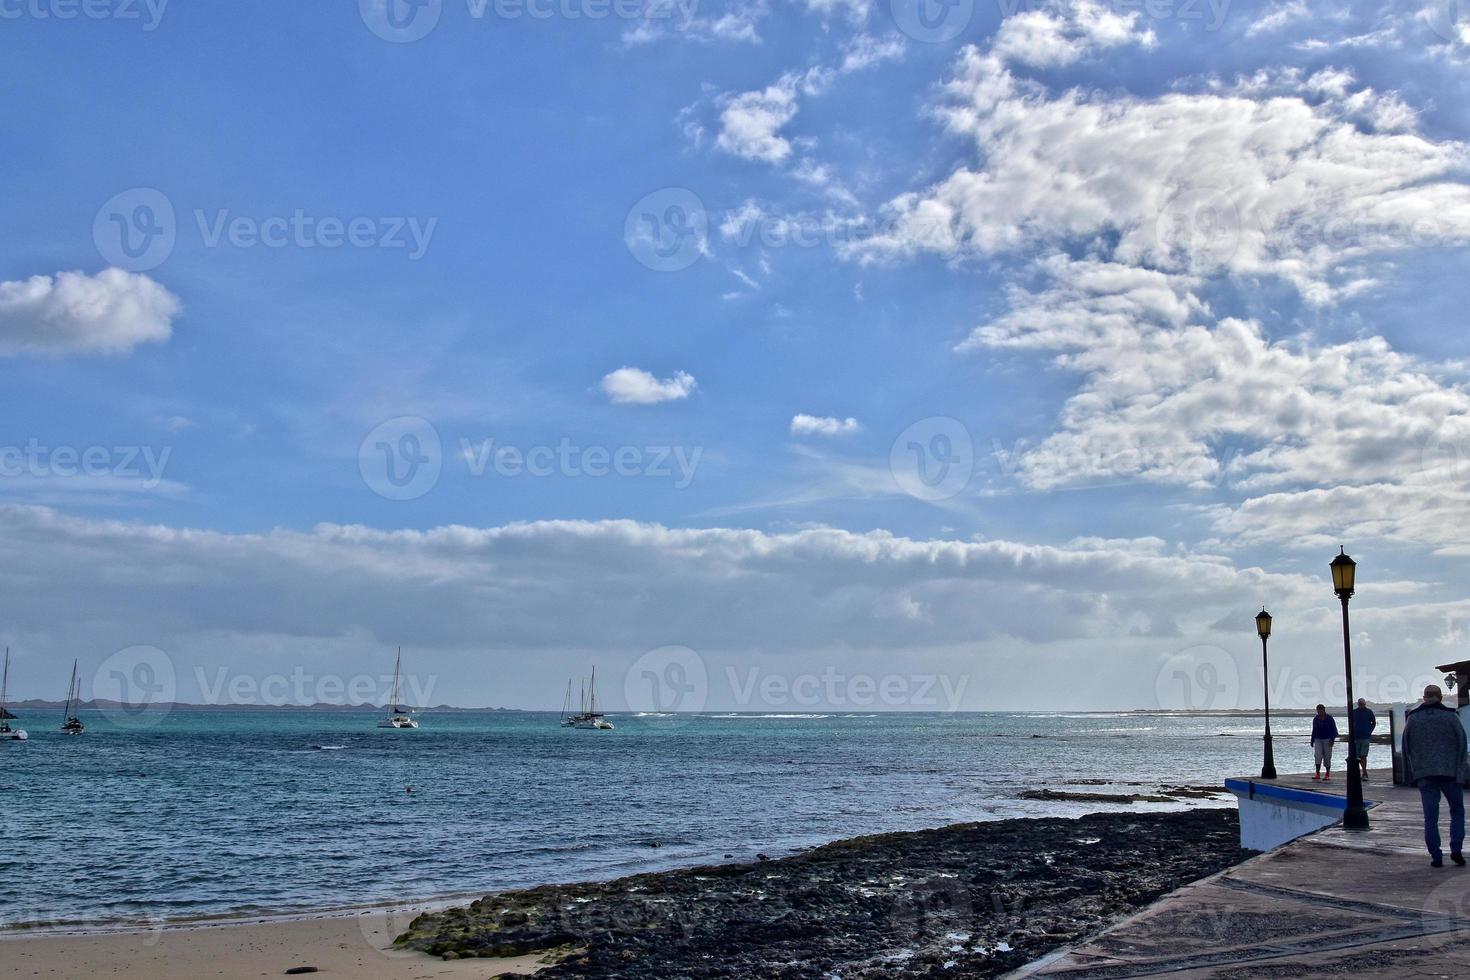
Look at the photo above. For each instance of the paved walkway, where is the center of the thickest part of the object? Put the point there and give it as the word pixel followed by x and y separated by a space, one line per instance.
pixel 1334 903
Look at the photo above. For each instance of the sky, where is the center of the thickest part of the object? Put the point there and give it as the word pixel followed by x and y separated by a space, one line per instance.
pixel 776 356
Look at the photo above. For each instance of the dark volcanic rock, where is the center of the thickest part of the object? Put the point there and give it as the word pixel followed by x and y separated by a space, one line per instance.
pixel 971 900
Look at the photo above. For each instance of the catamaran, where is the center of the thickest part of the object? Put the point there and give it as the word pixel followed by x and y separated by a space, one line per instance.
pixel 8 734
pixel 589 716
pixel 398 715
pixel 73 725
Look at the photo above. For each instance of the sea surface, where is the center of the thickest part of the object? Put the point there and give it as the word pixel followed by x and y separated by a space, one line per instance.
pixel 279 811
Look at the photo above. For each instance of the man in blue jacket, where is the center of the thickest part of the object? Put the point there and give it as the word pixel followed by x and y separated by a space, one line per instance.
pixel 1324 737
pixel 1435 749
pixel 1364 721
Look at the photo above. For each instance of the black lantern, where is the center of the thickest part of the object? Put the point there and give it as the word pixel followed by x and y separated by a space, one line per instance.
pixel 1263 630
pixel 1344 570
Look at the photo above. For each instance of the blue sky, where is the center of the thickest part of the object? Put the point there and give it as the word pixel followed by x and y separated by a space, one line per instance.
pixel 1176 290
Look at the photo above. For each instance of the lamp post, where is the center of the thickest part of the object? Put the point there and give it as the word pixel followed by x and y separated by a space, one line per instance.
pixel 1344 571
pixel 1263 627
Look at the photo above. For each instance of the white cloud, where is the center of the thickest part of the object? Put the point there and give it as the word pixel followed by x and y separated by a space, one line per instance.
pixel 855 11
pixel 739 23
pixel 823 425
pixel 504 614
pixel 866 50
pixel 1280 16
pixel 1186 182
pixel 607 585
pixel 750 122
pixel 634 386
pixel 73 313
pixel 1136 207
pixel 1065 33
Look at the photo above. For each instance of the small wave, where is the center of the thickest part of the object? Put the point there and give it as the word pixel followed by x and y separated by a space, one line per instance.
pixel 776 715
pixel 330 748
pixel 653 714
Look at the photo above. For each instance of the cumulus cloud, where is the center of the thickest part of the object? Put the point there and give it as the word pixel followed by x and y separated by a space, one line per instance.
pixel 1171 396
pixel 73 313
pixel 1130 210
pixel 1288 187
pixel 635 386
pixel 1063 34
pixel 750 122
pixel 823 425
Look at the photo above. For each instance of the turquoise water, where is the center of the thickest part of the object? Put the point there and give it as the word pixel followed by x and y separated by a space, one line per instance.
pixel 243 812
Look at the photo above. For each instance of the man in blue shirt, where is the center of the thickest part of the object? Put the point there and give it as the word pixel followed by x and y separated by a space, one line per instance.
pixel 1364 721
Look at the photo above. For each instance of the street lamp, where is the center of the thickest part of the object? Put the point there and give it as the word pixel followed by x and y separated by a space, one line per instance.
pixel 1344 571
pixel 1263 627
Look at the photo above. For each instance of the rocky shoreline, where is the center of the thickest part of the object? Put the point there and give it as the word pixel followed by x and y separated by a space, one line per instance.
pixel 969 900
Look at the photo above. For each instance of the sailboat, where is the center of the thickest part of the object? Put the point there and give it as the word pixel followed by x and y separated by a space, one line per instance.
pixel 8 734
pixel 566 707
pixel 398 716
pixel 73 725
pixel 589 716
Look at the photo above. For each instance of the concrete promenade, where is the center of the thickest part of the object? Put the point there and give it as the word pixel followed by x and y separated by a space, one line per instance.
pixel 1333 903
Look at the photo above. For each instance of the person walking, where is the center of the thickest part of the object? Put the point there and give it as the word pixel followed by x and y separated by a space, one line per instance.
pixel 1324 737
pixel 1434 746
pixel 1364 721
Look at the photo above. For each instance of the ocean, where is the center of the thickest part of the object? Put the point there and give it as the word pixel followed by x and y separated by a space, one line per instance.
pixel 223 813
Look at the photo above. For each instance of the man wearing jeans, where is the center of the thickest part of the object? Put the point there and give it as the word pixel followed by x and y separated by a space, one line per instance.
pixel 1434 744
pixel 1364 721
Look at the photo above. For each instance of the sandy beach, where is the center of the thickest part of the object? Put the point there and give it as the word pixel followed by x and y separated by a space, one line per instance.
pixel 969 900
pixel 354 945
